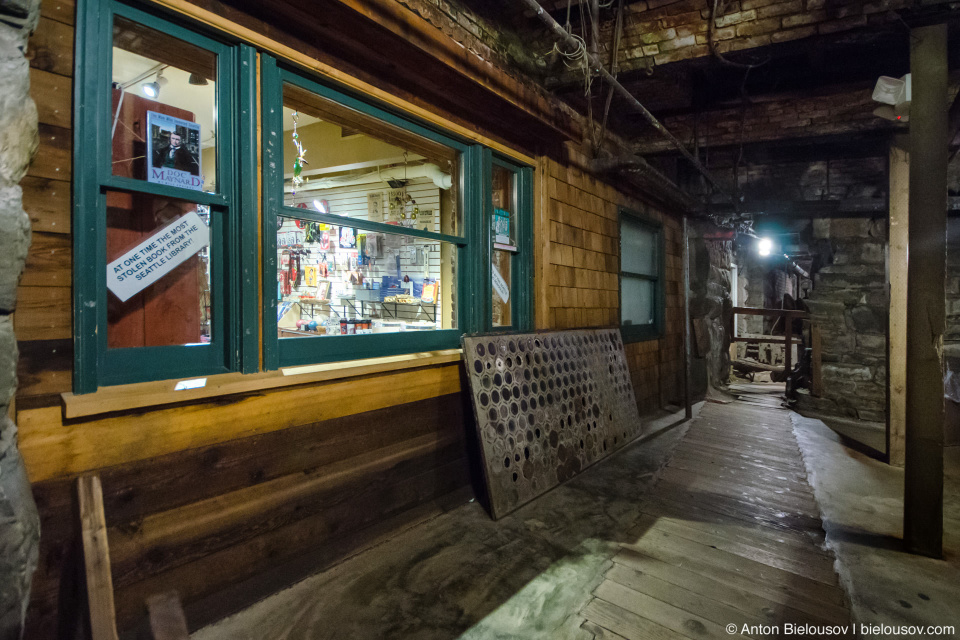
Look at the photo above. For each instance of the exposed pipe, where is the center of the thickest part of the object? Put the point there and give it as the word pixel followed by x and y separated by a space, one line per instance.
pixel 571 42
pixel 639 166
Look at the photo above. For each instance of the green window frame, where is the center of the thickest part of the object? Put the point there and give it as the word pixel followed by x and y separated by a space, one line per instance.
pixel 243 243
pixel 474 246
pixel 521 275
pixel 230 230
pixel 653 331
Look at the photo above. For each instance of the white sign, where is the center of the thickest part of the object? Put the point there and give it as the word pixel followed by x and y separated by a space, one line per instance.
pixel 157 256
pixel 500 285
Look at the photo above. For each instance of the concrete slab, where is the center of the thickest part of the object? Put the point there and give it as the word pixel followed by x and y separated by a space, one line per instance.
pixel 861 500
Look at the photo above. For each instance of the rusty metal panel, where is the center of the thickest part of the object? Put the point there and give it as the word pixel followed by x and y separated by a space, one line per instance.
pixel 547 406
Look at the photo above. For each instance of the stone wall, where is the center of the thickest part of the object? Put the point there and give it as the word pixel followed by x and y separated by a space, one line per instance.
pixel 19 524
pixel 711 308
pixel 849 302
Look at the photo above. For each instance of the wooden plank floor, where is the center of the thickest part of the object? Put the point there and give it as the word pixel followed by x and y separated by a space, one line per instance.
pixel 730 535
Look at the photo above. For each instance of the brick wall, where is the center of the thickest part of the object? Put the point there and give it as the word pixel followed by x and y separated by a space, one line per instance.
pixel 658 32
pixel 772 118
pixel 581 275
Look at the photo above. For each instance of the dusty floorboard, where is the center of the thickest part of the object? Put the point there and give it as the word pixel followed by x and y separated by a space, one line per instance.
pixel 727 544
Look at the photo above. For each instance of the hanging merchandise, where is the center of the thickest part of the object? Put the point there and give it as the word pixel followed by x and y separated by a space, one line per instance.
pixel 310 276
pixel 300 160
pixel 325 241
pixel 348 237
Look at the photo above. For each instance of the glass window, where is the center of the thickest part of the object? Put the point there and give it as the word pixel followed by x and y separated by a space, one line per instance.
pixel 369 228
pixel 163 125
pixel 504 201
pixel 341 280
pixel 641 306
pixel 158 271
pixel 151 296
pixel 339 161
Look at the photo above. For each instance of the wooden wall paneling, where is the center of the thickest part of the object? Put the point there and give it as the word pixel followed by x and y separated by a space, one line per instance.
pixel 43 313
pixel 53 95
pixel 52 449
pixel 48 203
pixel 176 479
pixel 45 367
pixel 162 541
pixel 49 261
pixel 53 159
pixel 359 507
pixel 59 10
pixel 51 47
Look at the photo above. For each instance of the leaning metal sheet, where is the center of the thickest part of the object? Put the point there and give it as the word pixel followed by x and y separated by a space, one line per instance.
pixel 548 405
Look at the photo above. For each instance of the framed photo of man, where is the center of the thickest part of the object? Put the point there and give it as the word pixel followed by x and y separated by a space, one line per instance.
pixel 173 151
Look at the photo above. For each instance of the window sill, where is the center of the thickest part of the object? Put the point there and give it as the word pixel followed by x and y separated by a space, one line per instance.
pixel 151 394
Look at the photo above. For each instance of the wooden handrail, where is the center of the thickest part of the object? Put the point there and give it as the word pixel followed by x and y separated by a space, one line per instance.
pixel 787 313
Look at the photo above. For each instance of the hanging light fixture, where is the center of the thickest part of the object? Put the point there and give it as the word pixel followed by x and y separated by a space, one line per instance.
pixel 197 80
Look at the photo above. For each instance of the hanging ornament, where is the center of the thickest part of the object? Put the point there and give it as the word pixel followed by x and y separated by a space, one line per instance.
pixel 300 160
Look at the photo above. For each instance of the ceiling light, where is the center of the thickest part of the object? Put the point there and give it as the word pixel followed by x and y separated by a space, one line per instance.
pixel 764 246
pixel 197 80
pixel 321 206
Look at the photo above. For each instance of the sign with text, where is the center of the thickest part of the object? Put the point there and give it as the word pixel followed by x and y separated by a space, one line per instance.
pixel 157 256
pixel 500 285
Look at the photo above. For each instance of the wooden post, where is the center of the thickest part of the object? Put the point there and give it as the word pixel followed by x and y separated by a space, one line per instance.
pixel 816 365
pixel 926 274
pixel 96 559
pixel 897 269
pixel 685 257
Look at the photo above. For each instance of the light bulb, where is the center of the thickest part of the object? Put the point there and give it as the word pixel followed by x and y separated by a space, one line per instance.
pixel 765 246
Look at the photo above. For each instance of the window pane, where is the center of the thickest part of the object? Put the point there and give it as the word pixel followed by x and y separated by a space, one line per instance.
pixel 347 163
pixel 638 248
pixel 638 301
pixel 504 205
pixel 502 303
pixel 340 280
pixel 158 271
pixel 164 114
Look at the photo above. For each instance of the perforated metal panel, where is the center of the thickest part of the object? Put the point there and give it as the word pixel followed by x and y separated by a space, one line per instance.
pixel 548 405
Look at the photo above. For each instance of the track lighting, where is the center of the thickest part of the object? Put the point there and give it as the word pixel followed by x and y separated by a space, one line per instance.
pixel 152 89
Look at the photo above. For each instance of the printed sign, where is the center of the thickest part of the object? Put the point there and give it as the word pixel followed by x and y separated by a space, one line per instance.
pixel 500 285
pixel 157 256
pixel 173 151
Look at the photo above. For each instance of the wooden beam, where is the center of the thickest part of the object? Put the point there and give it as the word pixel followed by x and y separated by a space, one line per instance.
pixel 897 356
pixel 787 313
pixel 96 559
pixel 926 274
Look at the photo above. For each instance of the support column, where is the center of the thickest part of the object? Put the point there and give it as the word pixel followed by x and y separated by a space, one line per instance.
pixel 926 273
pixel 897 270
pixel 685 257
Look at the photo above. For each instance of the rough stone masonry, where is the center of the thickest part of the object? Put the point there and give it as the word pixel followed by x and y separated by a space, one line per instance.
pixel 19 524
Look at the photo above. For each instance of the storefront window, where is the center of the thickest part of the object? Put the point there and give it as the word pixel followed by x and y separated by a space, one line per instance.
pixel 164 108
pixel 340 280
